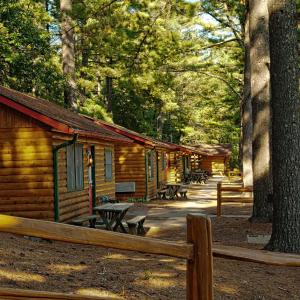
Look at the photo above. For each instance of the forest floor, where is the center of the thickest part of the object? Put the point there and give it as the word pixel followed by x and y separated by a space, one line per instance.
pixel 54 266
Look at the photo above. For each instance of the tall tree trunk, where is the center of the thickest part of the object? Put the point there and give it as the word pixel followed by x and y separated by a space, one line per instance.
pixel 85 53
pixel 286 126
pixel 260 96
pixel 68 54
pixel 47 10
pixel 247 111
pixel 109 93
pixel 109 90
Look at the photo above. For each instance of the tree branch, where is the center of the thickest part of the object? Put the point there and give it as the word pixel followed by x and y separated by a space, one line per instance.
pixel 218 44
pixel 209 75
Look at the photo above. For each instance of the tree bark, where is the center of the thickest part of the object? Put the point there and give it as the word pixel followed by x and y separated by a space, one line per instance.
pixel 286 126
pixel 109 93
pixel 260 97
pixel 68 54
pixel 109 90
pixel 247 111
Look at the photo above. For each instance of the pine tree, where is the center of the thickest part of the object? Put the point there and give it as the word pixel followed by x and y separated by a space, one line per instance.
pixel 286 126
pixel 260 98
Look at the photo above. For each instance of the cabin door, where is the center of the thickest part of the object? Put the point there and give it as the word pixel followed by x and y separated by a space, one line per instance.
pixel 91 177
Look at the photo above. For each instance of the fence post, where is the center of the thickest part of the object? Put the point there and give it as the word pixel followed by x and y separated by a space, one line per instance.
pixel 200 269
pixel 219 199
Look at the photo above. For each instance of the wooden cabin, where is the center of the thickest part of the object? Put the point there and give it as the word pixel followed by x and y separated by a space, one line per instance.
pixel 141 167
pixel 215 157
pixel 183 160
pixel 53 162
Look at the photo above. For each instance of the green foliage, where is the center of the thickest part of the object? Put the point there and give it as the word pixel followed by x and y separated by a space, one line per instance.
pixel 174 75
pixel 137 200
pixel 27 62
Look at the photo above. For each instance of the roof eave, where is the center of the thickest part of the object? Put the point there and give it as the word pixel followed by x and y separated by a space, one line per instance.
pixel 127 134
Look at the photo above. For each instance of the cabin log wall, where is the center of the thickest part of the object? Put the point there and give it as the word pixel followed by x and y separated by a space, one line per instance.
pixel 213 164
pixel 195 162
pixel 130 167
pixel 152 183
pixel 26 167
pixel 76 203
pixel 163 172
pixel 176 167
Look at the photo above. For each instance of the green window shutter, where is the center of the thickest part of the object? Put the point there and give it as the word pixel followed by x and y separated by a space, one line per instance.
pixel 108 164
pixel 70 168
pixel 79 166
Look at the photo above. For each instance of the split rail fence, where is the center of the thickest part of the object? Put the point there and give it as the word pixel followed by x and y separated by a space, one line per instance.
pixel 221 199
pixel 197 251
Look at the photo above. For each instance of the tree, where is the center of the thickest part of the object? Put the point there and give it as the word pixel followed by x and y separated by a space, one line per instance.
pixel 68 54
pixel 261 114
pixel 246 109
pixel 286 126
pixel 28 61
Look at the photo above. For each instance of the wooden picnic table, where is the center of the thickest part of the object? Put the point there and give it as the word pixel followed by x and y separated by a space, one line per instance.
pixel 173 189
pixel 112 214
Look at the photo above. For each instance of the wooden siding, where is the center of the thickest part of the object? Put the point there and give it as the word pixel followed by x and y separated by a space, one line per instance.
pixel 213 164
pixel 73 204
pixel 103 187
pixel 26 177
pixel 196 161
pixel 163 173
pixel 152 183
pixel 130 167
pixel 176 167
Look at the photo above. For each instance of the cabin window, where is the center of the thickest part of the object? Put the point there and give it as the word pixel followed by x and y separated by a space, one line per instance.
pixel 150 164
pixel 108 164
pixel 75 167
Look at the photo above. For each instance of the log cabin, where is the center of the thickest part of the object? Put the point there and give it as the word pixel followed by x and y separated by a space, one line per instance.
pixel 215 157
pixel 53 162
pixel 181 162
pixel 141 167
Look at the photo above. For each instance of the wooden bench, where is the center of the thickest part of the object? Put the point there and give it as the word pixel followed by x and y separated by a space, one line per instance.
pixel 183 193
pixel 162 194
pixel 80 220
pixel 136 225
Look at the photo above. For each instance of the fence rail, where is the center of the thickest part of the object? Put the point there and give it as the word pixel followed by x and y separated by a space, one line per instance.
pixel 19 294
pixel 80 235
pixel 238 189
pixel 257 256
pixel 197 251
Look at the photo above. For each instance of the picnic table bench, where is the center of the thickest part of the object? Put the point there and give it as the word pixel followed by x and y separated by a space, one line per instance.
pixel 162 194
pixel 183 192
pixel 173 189
pixel 136 225
pixel 112 214
pixel 80 220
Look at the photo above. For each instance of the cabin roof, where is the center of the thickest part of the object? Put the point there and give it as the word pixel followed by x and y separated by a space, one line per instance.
pixel 56 116
pixel 148 140
pixel 214 149
pixel 138 137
